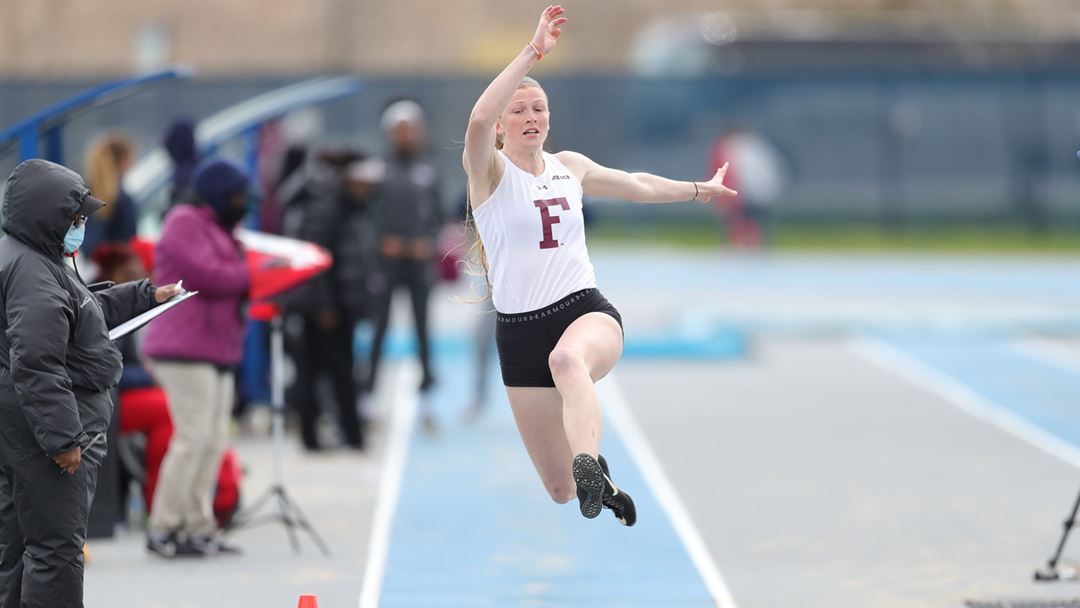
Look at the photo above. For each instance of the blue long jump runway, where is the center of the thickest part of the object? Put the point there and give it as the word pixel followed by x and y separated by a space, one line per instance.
pixel 474 527
pixel 995 379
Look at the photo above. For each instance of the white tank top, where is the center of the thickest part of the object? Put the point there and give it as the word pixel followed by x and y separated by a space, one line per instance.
pixel 534 235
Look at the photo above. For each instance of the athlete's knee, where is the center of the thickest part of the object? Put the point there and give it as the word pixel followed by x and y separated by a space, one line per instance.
pixel 564 362
pixel 561 494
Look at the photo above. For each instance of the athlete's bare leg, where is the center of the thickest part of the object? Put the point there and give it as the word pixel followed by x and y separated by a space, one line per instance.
pixel 548 417
pixel 539 417
pixel 586 352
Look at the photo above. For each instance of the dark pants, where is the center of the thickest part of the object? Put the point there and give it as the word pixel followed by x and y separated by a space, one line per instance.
pixel 416 277
pixel 43 515
pixel 326 352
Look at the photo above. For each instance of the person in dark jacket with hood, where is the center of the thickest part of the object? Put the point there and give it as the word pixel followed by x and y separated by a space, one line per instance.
pixel 57 366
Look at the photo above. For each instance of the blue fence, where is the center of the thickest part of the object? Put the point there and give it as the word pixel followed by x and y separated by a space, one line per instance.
pixel 897 146
pixel 40 135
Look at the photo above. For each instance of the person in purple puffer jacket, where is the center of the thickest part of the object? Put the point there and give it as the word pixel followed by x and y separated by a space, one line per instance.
pixel 193 351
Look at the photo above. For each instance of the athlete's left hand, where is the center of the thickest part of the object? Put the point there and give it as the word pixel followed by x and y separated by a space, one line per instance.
pixel 715 186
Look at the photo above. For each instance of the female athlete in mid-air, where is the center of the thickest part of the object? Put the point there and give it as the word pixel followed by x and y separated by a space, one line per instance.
pixel 556 334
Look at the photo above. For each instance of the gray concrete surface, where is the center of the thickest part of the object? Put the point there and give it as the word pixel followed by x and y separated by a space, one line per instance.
pixel 337 492
pixel 818 480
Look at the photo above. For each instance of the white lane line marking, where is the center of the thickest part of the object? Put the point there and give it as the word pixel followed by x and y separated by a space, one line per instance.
pixel 402 419
pixel 898 363
pixel 625 425
pixel 1052 354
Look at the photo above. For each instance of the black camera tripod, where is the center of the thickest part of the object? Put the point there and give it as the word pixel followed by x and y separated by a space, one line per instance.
pixel 288 513
pixel 1052 571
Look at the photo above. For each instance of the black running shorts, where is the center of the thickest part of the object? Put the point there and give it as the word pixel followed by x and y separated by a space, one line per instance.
pixel 526 339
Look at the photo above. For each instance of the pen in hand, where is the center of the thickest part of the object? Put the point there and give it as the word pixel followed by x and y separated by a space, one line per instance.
pixel 166 293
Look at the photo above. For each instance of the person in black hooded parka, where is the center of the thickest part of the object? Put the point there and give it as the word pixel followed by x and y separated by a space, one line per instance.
pixel 57 366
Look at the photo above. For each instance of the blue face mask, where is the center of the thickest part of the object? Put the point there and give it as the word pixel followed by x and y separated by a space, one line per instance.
pixel 74 238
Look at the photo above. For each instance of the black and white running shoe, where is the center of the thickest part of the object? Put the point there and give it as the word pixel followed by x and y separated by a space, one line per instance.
pixel 620 503
pixel 589 478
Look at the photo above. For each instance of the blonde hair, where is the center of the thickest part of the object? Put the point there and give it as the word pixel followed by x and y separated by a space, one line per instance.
pixel 476 256
pixel 104 168
pixel 474 262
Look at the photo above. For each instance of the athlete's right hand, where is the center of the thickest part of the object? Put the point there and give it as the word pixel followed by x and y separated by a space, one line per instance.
pixel 547 31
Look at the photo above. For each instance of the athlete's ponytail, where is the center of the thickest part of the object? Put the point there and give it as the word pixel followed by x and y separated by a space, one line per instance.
pixel 475 260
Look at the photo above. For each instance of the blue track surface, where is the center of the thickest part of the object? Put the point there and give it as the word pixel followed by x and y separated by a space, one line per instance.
pixel 955 275
pixel 999 372
pixel 474 526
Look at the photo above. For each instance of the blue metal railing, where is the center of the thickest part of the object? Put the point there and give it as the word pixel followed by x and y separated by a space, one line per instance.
pixel 47 124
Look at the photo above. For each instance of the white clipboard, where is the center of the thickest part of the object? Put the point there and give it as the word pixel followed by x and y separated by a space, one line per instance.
pixel 134 323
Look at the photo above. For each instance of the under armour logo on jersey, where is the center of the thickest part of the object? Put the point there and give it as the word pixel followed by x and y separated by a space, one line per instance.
pixel 542 187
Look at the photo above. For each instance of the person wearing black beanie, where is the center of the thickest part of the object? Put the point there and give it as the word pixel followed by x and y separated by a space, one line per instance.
pixel 223 185
pixel 194 351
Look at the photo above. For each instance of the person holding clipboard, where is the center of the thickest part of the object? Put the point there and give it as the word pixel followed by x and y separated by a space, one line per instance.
pixel 57 368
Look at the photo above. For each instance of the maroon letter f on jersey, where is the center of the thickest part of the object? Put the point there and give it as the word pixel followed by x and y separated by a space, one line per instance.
pixel 547 219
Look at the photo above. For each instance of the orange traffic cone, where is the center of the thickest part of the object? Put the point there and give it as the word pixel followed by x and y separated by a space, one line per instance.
pixel 308 601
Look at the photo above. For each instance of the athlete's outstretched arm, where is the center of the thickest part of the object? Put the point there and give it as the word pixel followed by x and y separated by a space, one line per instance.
pixel 598 180
pixel 480 135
